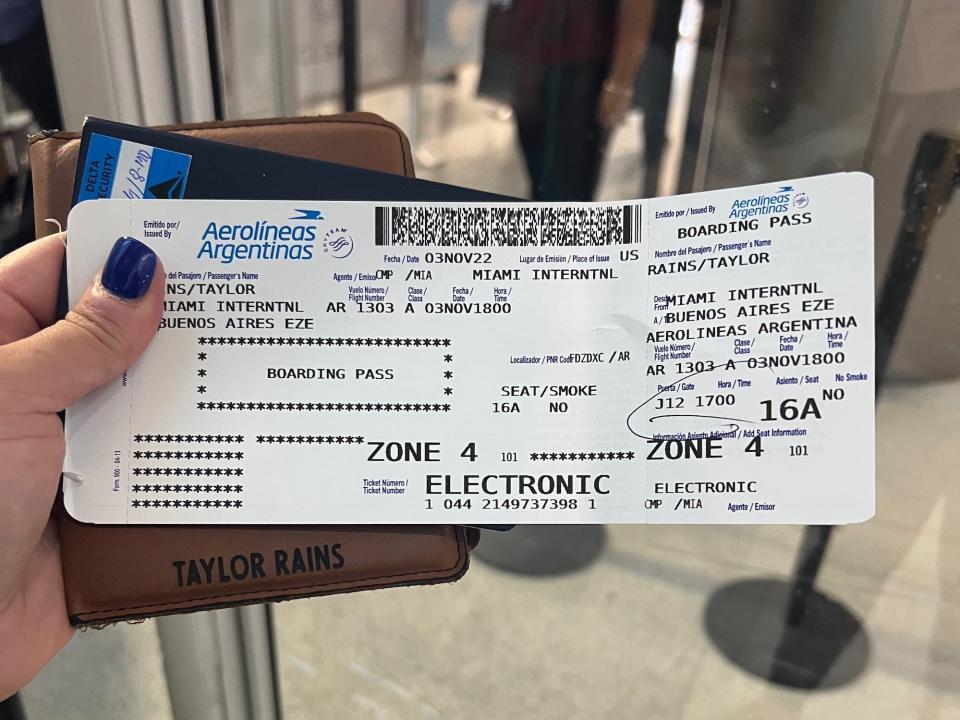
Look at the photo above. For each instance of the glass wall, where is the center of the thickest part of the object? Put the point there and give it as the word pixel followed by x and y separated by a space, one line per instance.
pixel 586 99
pixel 594 99
pixel 619 99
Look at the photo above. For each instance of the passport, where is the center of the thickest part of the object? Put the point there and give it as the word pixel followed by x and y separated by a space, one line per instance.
pixel 126 161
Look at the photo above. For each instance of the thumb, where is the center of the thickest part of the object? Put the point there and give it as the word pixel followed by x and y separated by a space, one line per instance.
pixel 99 338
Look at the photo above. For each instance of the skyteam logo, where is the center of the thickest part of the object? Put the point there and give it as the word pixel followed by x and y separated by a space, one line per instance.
pixel 338 243
pixel 307 214
pixel 769 204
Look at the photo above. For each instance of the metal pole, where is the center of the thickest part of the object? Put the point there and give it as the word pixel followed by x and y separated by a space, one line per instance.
pixel 348 35
pixel 221 665
pixel 195 57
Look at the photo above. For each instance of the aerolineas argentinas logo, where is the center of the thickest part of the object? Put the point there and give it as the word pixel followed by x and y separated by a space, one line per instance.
pixel 768 203
pixel 261 240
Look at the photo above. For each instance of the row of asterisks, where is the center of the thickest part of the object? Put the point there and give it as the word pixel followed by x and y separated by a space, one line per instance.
pixel 583 456
pixel 187 503
pixel 348 342
pixel 186 471
pixel 201 389
pixel 328 407
pixel 188 438
pixel 186 488
pixel 311 439
pixel 186 455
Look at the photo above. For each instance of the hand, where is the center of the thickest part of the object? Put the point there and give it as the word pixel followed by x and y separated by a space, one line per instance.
pixel 45 366
pixel 615 101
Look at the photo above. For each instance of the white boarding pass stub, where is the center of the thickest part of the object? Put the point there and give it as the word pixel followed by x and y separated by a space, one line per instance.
pixel 705 358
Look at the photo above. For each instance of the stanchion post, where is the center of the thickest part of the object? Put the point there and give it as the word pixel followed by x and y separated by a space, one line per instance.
pixel 933 177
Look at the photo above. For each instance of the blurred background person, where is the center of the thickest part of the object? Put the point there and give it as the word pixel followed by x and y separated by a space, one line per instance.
pixel 25 60
pixel 653 86
pixel 27 72
pixel 568 69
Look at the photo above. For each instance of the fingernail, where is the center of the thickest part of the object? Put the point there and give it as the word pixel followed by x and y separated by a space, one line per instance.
pixel 129 269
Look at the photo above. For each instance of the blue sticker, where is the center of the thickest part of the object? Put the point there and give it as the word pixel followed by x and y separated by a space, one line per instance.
pixel 115 168
pixel 100 167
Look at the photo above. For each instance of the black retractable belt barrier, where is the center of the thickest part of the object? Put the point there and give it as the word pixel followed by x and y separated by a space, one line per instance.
pixel 788 632
pixel 12 709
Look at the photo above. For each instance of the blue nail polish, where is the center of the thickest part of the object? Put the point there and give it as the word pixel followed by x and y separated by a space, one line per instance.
pixel 129 269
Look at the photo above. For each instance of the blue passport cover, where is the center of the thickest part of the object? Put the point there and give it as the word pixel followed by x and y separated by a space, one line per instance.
pixel 181 166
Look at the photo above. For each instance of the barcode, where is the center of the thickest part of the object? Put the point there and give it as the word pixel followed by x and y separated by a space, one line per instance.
pixel 517 226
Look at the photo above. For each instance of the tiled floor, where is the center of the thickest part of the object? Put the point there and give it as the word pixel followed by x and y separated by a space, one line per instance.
pixel 115 673
pixel 623 637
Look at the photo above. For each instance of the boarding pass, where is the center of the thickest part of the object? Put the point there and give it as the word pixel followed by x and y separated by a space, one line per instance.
pixel 704 358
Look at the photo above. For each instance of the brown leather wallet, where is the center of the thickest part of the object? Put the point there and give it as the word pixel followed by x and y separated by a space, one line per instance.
pixel 116 573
